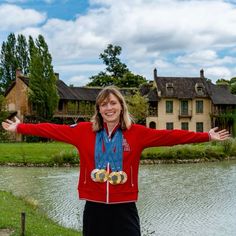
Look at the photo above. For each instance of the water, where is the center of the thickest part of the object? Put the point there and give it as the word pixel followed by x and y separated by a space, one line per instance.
pixel 174 200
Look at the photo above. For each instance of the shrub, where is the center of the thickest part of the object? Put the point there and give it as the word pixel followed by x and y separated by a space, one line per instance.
pixel 227 146
pixel 65 157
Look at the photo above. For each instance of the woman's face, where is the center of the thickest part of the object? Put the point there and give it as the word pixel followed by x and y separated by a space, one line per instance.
pixel 110 109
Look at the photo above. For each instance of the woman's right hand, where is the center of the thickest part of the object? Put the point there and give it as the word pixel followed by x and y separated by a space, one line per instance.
pixel 10 125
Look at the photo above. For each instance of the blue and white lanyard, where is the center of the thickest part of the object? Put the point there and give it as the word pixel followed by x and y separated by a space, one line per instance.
pixel 113 153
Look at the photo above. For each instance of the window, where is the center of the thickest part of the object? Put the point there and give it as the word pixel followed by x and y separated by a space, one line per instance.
pixel 199 127
pixel 184 107
pixel 184 125
pixel 169 125
pixel 60 105
pixel 169 106
pixel 152 125
pixel 199 88
pixel 170 88
pixel 199 106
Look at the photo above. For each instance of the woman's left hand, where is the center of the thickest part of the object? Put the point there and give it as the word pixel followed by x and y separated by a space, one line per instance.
pixel 219 135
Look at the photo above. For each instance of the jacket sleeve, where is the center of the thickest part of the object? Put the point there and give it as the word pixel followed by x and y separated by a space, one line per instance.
pixel 63 133
pixel 154 138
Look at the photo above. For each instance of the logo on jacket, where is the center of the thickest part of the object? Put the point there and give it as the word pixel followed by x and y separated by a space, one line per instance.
pixel 126 147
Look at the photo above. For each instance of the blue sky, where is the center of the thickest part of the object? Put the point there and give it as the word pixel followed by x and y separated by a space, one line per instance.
pixel 63 9
pixel 178 37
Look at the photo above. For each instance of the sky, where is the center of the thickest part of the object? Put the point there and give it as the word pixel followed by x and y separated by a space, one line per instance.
pixel 178 37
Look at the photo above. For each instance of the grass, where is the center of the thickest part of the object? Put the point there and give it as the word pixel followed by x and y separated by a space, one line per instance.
pixel 35 153
pixel 56 153
pixel 37 224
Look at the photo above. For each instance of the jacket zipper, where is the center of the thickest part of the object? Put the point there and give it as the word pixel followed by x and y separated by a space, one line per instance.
pixel 107 192
pixel 131 176
pixel 85 176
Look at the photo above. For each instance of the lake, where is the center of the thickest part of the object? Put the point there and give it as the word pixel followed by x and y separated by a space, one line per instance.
pixel 180 199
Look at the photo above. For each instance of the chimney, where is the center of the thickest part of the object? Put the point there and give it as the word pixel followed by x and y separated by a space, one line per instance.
pixel 57 75
pixel 155 73
pixel 18 72
pixel 201 73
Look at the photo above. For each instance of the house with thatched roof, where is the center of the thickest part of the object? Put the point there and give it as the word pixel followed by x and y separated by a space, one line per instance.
pixel 75 103
pixel 191 103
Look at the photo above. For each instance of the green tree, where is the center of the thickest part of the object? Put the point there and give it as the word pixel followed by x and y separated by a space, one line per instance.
pixel 42 83
pixel 3 116
pixel 116 72
pixel 130 80
pixel 233 85
pixel 22 54
pixel 222 82
pixel 138 107
pixel 111 59
pixel 8 62
pixel 14 55
pixel 102 80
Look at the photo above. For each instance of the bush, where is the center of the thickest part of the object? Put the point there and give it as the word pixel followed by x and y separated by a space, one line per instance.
pixel 181 152
pixel 66 157
pixel 233 148
pixel 227 146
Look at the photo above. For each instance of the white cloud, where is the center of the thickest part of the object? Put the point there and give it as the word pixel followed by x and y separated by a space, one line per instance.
pixel 206 58
pixel 16 1
pixel 13 18
pixel 80 67
pixel 77 74
pixel 176 36
pixel 218 73
pixel 78 81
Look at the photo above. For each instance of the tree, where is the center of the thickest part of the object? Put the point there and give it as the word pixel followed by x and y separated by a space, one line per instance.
pixel 42 82
pixel 102 80
pixel 116 72
pixel 14 55
pixel 130 80
pixel 22 54
pixel 110 58
pixel 138 107
pixel 8 62
pixel 233 85
pixel 222 82
pixel 3 116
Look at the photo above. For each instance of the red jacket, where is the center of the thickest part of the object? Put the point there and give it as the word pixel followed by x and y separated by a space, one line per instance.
pixel 136 139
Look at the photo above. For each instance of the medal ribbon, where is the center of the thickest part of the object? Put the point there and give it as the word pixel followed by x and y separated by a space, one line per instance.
pixel 113 153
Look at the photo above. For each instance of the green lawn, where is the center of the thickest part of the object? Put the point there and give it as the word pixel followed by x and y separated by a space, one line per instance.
pixel 37 224
pixel 56 153
pixel 34 153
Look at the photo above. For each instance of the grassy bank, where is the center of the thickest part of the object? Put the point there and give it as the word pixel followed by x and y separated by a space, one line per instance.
pixel 37 224
pixel 55 153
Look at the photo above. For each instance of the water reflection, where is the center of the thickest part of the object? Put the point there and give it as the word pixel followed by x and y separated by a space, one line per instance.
pixel 188 199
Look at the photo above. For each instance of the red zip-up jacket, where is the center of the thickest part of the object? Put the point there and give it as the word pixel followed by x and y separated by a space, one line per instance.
pixel 135 140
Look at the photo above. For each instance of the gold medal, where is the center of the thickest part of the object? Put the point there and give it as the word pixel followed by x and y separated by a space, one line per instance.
pixel 93 174
pixel 124 177
pixel 101 176
pixel 114 178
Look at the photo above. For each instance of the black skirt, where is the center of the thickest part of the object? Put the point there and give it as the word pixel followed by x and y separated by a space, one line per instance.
pixel 111 219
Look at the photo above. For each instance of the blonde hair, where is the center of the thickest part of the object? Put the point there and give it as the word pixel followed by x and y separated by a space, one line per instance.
pixel 125 118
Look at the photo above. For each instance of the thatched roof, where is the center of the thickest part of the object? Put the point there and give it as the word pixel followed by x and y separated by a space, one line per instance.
pixel 193 87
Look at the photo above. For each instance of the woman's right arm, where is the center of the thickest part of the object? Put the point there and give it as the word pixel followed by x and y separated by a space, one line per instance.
pixel 63 133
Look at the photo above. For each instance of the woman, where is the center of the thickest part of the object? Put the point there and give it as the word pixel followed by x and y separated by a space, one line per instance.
pixel 110 147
